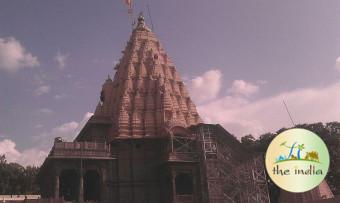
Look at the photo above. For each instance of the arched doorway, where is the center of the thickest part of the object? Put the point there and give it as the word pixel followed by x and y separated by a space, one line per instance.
pixel 69 185
pixel 92 186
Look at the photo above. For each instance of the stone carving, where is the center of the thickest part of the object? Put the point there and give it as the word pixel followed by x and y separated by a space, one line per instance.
pixel 147 92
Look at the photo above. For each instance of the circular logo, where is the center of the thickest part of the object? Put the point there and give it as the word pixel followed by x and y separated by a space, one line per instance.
pixel 297 160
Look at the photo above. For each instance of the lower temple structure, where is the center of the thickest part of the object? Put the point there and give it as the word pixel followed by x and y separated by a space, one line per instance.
pixel 174 168
pixel 146 143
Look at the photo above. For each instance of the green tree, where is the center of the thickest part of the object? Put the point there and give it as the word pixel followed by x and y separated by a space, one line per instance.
pixel 329 133
pixel 248 140
pixel 16 179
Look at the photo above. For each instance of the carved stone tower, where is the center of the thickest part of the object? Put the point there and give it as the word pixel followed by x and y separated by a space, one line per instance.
pixel 147 94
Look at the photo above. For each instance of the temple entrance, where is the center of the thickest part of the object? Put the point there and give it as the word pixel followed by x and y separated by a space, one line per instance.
pixel 92 186
pixel 69 184
pixel 184 184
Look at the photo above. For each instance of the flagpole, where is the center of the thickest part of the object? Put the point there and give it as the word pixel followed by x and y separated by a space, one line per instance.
pixel 131 18
pixel 130 10
pixel 131 13
pixel 149 13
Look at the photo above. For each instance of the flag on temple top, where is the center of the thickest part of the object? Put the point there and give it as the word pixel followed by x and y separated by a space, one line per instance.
pixel 129 5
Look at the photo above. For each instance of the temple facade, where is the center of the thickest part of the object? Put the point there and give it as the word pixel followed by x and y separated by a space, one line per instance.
pixel 146 143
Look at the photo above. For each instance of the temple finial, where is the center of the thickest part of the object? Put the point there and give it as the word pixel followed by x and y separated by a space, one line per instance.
pixel 141 23
pixel 141 19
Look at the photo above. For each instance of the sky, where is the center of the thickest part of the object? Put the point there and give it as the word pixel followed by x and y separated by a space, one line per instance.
pixel 239 59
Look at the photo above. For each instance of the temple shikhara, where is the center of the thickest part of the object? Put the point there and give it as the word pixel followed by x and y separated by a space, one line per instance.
pixel 146 143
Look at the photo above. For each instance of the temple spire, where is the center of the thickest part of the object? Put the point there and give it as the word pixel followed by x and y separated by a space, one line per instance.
pixel 147 96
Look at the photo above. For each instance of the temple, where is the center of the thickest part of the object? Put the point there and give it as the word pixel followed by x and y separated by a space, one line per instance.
pixel 146 143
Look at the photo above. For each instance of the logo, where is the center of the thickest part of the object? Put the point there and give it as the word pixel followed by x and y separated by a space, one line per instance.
pixel 297 160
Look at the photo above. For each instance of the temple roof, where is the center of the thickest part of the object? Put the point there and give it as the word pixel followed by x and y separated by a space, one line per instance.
pixel 146 95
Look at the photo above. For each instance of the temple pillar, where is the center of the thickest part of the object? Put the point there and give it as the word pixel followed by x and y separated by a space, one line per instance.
pixel 104 193
pixel 81 188
pixel 56 187
pixel 173 180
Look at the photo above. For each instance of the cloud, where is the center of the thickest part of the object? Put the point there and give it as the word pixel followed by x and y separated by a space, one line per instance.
pixel 35 156
pixel 26 157
pixel 45 111
pixel 32 156
pixel 307 105
pixel 39 78
pixel 13 56
pixel 100 61
pixel 337 63
pixel 7 147
pixel 80 84
pixel 39 126
pixel 67 131
pixel 61 59
pixel 241 87
pixel 82 123
pixel 43 89
pixel 206 87
pixel 59 96
pixel 261 82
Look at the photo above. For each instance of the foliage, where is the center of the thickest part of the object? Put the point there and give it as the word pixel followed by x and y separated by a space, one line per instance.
pixel 247 140
pixel 329 133
pixel 16 179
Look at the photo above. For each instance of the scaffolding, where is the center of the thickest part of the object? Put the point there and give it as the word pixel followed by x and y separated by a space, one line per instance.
pixel 183 148
pixel 209 146
pixel 247 182
pixel 225 182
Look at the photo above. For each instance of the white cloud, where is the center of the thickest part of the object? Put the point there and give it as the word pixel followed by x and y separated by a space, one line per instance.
pixel 241 87
pixel 67 131
pixel 261 82
pixel 39 126
pixel 80 84
pixel 45 111
pixel 32 156
pixel 66 128
pixel 59 96
pixel 337 63
pixel 61 59
pixel 82 123
pixel 206 87
pixel 13 56
pixel 39 78
pixel 99 61
pixel 307 105
pixel 26 157
pixel 43 89
pixel 8 147
pixel 35 156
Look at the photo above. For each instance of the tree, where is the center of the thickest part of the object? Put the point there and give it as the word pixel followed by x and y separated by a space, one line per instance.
pixel 329 133
pixel 247 140
pixel 2 160
pixel 16 179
